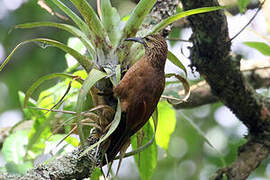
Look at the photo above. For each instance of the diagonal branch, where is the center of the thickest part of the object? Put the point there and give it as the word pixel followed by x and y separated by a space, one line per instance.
pixel 69 166
pixel 258 76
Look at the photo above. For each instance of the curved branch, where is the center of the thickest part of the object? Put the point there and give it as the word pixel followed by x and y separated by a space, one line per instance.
pixel 201 94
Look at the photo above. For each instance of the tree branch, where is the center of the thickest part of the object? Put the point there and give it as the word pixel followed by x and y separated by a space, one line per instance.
pixel 210 54
pixel 257 74
pixel 250 155
pixel 69 166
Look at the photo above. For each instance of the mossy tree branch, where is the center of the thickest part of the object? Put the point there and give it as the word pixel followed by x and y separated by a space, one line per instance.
pixel 210 55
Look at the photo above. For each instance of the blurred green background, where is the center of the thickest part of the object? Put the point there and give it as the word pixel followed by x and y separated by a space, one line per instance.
pixel 188 156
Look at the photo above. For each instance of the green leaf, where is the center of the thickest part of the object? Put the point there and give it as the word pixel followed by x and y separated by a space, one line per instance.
pixel 242 5
pixel 73 141
pixel 28 113
pixel 114 125
pixel 71 29
pixel 93 76
pixel 14 147
pixel 125 18
pixel 41 80
pixel 260 46
pixel 83 60
pixel 148 158
pixel 137 17
pixel 38 134
pixel 96 174
pixel 111 21
pixel 176 61
pixel 164 23
pixel 76 19
pixel 93 23
pixel 166 114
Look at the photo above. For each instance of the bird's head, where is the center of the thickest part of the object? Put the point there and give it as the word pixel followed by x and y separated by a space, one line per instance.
pixel 155 45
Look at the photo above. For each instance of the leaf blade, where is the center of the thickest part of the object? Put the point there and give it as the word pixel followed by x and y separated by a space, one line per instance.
pixel 182 14
pixel 111 21
pixel 83 60
pixel 76 19
pixel 114 124
pixel 93 76
pixel 94 24
pixel 137 17
pixel 148 158
pixel 260 46
pixel 40 81
pixel 176 62
pixel 71 29
pixel 164 129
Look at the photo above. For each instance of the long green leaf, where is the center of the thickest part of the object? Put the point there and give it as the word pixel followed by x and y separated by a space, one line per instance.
pixel 111 21
pixel 40 81
pixel 180 15
pixel 93 76
pixel 176 61
pixel 114 124
pixel 148 158
pixel 71 29
pixel 76 19
pixel 260 46
pixel 164 129
pixel 93 23
pixel 83 60
pixel 137 17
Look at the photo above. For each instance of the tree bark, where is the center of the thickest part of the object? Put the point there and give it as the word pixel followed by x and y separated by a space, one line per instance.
pixel 210 55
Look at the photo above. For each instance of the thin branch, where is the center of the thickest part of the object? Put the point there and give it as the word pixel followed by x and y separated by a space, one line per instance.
pixel 177 39
pixel 45 6
pixel 259 8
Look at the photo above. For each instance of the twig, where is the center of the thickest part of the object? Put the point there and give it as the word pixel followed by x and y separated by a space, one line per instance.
pixel 45 6
pixel 177 39
pixel 259 8
pixel 99 10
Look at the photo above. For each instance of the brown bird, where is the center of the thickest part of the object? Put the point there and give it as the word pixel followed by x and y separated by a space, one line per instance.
pixel 139 92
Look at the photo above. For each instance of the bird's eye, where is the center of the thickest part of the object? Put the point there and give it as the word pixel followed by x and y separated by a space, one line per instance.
pixel 147 39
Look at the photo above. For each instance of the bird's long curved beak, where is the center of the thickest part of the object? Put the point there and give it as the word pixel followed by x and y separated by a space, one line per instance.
pixel 136 39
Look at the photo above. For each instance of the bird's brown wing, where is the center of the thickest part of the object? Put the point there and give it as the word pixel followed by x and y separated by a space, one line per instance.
pixel 139 97
pixel 122 134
